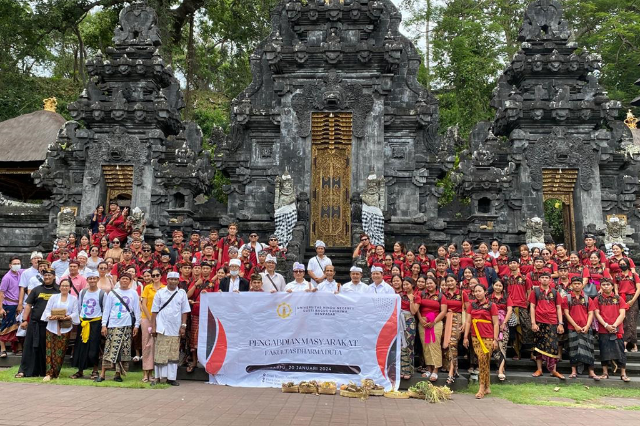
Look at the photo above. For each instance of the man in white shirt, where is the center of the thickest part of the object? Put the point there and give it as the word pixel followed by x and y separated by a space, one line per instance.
pixel 82 265
pixel 169 323
pixel 355 285
pixel 234 283
pixel 329 285
pixel 317 264
pixel 272 281
pixel 61 265
pixel 379 286
pixel 299 283
pixel 26 276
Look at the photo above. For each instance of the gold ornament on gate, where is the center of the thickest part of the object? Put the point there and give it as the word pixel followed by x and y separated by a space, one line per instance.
pixel 50 104
pixel 631 121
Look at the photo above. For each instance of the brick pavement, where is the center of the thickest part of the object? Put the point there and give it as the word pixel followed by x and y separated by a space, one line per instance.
pixel 199 404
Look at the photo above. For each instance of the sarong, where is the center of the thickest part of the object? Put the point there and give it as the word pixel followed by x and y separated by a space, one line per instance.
pixel 503 340
pixel 373 224
pixel 612 350
pixel 148 344
pixel 484 359
pixel 546 344
pixel 451 352
pixel 87 354
pixel 167 349
pixel 581 349
pixel 432 351
pixel 407 355
pixel 193 332
pixel 33 363
pixel 524 335
pixel 630 324
pixel 9 326
pixel 117 349
pixel 56 349
pixel 285 220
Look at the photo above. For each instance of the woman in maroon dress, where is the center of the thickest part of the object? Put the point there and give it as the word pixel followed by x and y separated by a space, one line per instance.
pixel 618 254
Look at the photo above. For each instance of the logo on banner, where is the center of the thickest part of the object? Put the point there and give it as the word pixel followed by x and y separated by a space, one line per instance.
pixel 284 310
pixel 216 344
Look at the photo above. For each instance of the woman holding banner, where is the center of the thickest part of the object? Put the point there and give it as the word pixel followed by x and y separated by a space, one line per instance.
pixel 433 309
pixel 410 303
pixel 482 314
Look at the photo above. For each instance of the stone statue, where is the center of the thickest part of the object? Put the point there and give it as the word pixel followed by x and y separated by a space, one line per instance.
pixel 66 223
pixel 284 204
pixel 138 220
pixel 535 233
pixel 373 201
pixel 615 233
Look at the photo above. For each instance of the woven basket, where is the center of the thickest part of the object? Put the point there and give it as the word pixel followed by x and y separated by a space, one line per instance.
pixel 376 392
pixel 350 394
pixel 327 391
pixel 396 395
pixel 308 389
pixel 293 389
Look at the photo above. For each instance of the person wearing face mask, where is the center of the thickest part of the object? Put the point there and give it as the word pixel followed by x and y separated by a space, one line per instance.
pixel 234 282
pixel 9 298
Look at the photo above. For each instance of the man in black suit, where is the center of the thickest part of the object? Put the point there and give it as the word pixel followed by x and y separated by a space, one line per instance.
pixel 234 282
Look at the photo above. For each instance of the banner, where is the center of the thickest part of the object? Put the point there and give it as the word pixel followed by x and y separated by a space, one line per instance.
pixel 263 339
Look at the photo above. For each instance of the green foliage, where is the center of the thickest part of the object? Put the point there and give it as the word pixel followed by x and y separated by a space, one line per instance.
pixel 553 210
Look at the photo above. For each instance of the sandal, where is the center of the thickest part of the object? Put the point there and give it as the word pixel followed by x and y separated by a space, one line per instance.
pixel 502 377
pixel 191 368
pixel 94 374
pixel 3 354
pixel 596 378
pixel 450 380
pixel 604 376
pixel 480 395
pixel 19 376
pixel 624 378
pixel 434 377
pixel 573 376
pixel 76 376
pixel 426 374
pixel 145 380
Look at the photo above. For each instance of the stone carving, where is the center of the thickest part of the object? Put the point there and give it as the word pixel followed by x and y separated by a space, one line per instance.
pixel 535 233
pixel 138 220
pixel 66 223
pixel 543 20
pixel 286 213
pixel 561 151
pixel 116 147
pixel 137 25
pixel 373 201
pixel 332 95
pixel 615 230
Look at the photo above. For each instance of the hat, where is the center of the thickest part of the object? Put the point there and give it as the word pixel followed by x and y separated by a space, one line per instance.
pixel 320 244
pixel 195 231
pixel 160 241
pixel 272 236
pixel 245 247
pixel 576 278
pixel 235 262
pixel 271 259
pixel 298 266
pixel 43 262
pixel 126 250
pixel 173 275
pixel 82 253
pixel 262 253
pixel 355 269
pixel 545 274
pixel 233 249
pixel 125 275
pixel 589 236
pixel 35 254
pixel 205 263
pixel 91 274
pixel 563 265
pixel 48 271
pixel 376 269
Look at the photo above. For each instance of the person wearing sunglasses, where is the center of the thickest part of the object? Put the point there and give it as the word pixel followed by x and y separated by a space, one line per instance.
pixel 115 252
pixel 256 247
pixel 146 303
pixel 298 283
pixel 145 262
pixel 105 280
pixel 273 248
pixel 365 248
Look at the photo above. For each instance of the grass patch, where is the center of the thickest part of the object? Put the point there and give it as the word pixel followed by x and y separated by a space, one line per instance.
pixel 133 380
pixel 574 395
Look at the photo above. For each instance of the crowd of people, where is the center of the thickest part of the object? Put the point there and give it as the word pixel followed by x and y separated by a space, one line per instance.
pixel 118 300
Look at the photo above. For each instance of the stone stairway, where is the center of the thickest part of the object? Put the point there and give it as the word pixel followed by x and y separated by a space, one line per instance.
pixel 340 258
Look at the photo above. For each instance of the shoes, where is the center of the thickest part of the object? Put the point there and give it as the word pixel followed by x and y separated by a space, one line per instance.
pixel 173 382
pixel 99 379
pixel 558 375
pixel 136 359
pixel 117 379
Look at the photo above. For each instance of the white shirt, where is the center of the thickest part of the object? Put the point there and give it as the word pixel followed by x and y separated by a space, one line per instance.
pixel 278 284
pixel 60 267
pixel 116 315
pixel 234 283
pixel 295 286
pixel 350 287
pixel 91 304
pixel 327 286
pixel 382 288
pixel 55 302
pixel 26 276
pixel 317 266
pixel 495 255
pixel 169 320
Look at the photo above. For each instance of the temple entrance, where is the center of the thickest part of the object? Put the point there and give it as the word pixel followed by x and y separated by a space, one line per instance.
pixel 331 178
pixel 557 190
pixel 119 182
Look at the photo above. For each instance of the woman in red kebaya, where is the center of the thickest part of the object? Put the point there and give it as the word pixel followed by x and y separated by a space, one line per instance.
pixel 610 310
pixel 502 261
pixel 117 225
pixel 535 252
pixel 433 309
pixel 398 254
pixel 466 257
pixel 396 283
pixel 579 314
pixel 453 326
pixel 386 267
pixel 561 255
pixel 526 261
pixel 378 257
pixel 627 285
pixel 575 266
pixel 549 265
pixel 482 314
pixel 414 272
pixel 423 259
pixel 594 273
pixel 442 252
pixel 465 282
pixel 501 299
pixel 395 270
pixel 452 248
pixel 618 254
pixel 410 303
pixel 489 261
pixel 410 258
pixel 104 247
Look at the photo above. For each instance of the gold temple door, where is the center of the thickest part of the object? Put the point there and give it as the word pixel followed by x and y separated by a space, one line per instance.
pixel 331 178
pixel 559 184
pixel 119 182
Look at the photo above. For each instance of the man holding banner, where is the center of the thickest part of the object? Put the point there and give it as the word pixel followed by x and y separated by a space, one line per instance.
pixel 379 286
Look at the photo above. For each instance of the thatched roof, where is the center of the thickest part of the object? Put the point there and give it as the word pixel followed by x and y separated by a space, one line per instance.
pixel 25 138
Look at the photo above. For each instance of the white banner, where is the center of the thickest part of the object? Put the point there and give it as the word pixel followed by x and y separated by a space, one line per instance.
pixel 262 339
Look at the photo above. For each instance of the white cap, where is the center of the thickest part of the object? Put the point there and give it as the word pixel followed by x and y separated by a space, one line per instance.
pixel 173 275
pixel 91 274
pixel 82 253
pixel 271 259
pixel 35 254
pixel 376 269
pixel 320 244
pixel 298 266
pixel 235 262
pixel 355 269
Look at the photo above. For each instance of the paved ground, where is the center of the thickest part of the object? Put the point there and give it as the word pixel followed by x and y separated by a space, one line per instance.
pixel 199 404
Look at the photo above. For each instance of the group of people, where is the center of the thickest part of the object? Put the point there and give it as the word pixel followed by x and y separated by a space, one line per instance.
pixel 118 299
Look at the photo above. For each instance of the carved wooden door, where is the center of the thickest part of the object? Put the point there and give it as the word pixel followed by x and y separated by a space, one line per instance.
pixel 331 178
